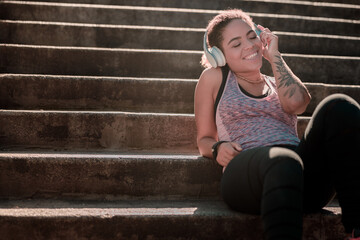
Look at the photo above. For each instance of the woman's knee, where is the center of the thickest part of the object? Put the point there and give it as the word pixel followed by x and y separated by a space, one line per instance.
pixel 339 107
pixel 283 165
pixel 280 154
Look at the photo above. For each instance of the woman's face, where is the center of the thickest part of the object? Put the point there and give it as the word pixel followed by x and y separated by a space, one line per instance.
pixel 242 47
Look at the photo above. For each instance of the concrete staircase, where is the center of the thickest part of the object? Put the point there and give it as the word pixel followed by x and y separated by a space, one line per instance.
pixel 97 131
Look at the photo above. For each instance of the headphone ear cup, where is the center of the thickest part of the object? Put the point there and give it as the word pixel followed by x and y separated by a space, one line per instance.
pixel 219 56
pixel 214 55
pixel 211 58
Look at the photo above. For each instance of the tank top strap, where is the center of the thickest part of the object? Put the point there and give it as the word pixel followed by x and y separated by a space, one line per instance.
pixel 269 83
pixel 225 72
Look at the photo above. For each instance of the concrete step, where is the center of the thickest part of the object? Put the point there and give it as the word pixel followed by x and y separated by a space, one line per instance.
pixel 157 63
pixel 342 9
pixel 107 175
pixel 212 4
pixel 118 131
pixel 120 94
pixel 170 17
pixel 350 10
pixel 146 220
pixel 332 1
pixel 97 93
pixel 147 37
pixel 99 61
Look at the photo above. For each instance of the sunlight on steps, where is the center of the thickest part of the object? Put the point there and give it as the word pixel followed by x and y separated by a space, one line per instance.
pixel 96 212
pixel 97 128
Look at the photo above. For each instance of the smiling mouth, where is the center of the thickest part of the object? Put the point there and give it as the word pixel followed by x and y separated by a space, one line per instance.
pixel 252 56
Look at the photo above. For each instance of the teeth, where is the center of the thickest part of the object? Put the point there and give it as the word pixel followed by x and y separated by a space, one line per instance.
pixel 251 56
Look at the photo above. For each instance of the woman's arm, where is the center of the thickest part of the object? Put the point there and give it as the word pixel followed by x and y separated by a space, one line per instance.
pixel 293 94
pixel 205 95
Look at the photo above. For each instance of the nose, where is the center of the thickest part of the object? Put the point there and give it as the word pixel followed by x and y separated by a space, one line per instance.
pixel 249 44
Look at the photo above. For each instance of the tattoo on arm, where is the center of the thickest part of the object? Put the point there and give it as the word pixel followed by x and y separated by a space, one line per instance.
pixel 286 80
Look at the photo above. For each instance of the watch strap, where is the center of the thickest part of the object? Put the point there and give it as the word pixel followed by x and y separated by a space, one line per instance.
pixel 215 147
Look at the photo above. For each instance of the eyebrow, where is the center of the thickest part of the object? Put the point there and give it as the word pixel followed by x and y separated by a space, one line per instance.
pixel 236 38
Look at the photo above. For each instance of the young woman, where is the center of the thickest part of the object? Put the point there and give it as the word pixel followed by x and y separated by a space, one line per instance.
pixel 247 122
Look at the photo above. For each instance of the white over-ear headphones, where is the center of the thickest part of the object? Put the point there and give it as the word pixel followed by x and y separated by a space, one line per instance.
pixel 214 55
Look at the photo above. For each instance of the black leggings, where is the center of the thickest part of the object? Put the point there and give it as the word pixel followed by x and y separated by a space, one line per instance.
pixel 282 182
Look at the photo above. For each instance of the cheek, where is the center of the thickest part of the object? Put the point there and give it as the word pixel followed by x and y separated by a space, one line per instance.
pixel 233 54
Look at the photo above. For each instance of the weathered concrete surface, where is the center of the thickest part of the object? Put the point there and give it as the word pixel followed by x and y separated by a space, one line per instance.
pixel 100 61
pixel 145 220
pixel 143 37
pixel 146 16
pixel 97 130
pixel 95 35
pixel 97 93
pixel 325 9
pixel 121 94
pixel 67 175
pixel 101 130
pixel 107 93
pixel 120 175
pixel 157 63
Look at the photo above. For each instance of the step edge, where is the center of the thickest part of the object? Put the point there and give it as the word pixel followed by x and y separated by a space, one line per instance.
pixel 161 51
pixel 170 29
pixel 183 10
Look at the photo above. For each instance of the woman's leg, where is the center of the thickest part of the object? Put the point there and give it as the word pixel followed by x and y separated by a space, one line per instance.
pixel 330 150
pixel 268 181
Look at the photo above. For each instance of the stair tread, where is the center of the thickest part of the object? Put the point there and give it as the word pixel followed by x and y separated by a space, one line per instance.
pixel 82 93
pixel 296 55
pixel 148 79
pixel 97 112
pixel 164 28
pixel 155 16
pixel 135 6
pixel 160 63
pixel 189 219
pixel 320 56
pixel 108 175
pixel 39 153
pixel 150 37
pixel 55 208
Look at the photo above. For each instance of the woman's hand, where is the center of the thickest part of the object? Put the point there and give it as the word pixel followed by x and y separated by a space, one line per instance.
pixel 226 152
pixel 270 42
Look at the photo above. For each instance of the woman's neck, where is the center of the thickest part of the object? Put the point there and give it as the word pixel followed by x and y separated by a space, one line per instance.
pixel 253 83
pixel 250 77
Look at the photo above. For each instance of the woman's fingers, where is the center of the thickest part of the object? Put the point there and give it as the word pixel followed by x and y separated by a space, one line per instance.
pixel 227 151
pixel 270 42
pixel 236 146
pixel 266 35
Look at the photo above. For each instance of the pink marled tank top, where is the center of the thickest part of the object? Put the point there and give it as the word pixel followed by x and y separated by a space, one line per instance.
pixel 254 122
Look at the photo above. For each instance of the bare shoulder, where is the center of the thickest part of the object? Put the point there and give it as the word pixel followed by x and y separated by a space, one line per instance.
pixel 210 80
pixel 211 75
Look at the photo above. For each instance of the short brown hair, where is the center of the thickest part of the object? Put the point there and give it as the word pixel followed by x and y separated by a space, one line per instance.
pixel 216 27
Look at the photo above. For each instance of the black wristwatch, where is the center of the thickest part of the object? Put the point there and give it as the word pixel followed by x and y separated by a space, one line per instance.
pixel 215 147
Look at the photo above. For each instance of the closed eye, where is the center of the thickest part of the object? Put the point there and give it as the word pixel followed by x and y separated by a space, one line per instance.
pixel 253 35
